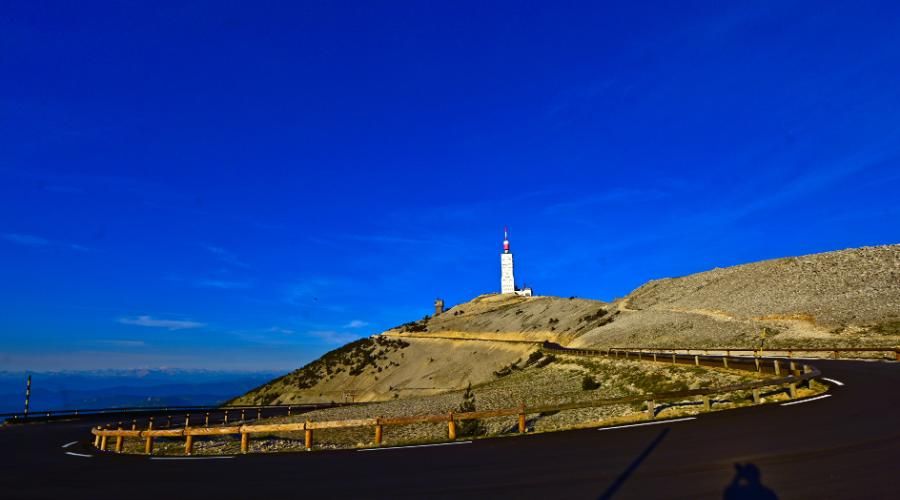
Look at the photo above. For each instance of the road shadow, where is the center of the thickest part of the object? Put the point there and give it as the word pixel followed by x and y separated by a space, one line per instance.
pixel 614 487
pixel 747 485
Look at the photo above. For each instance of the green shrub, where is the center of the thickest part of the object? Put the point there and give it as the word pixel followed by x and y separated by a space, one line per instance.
pixel 589 384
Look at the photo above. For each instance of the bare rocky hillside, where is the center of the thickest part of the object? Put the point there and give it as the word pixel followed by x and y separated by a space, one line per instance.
pixel 844 298
pixel 848 297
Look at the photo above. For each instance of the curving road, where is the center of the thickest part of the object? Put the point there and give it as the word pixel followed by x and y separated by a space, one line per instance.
pixel 846 445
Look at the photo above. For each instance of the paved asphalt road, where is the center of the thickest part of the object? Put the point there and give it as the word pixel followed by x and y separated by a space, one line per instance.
pixel 846 445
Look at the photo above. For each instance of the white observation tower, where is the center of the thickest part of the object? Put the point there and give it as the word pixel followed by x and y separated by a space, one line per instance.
pixel 507 282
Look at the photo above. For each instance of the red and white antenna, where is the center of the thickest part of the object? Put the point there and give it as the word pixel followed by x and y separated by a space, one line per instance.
pixel 505 239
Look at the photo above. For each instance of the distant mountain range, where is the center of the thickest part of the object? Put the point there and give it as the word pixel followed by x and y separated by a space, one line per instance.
pixel 121 388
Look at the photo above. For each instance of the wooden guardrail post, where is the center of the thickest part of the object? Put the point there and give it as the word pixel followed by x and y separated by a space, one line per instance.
pixel 188 443
pixel 168 420
pixel 148 439
pixel 651 409
pixel 308 436
pixel 639 355
pixel 259 414
pixel 378 431
pixel 725 361
pixel 777 367
pixel 451 427
pixel 696 360
pixel 706 403
pixel 792 390
pixel 756 360
pixel 97 438
pixel 756 399
pixel 226 416
pixel 522 419
pixel 289 411
pixel 790 354
pixel 103 443
pixel 206 420
pixel 119 439
pixel 245 441
pixel 654 356
pixel 897 354
pixel 673 357
pixel 835 354
pixel 187 420
pixel 242 415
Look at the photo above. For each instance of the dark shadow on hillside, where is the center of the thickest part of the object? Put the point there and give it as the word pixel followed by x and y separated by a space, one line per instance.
pixel 746 485
pixel 614 487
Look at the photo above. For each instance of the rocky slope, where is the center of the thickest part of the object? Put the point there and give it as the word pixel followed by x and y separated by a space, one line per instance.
pixel 844 298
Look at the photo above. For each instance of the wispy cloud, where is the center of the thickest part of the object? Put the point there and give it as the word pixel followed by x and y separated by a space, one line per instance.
pixel 616 196
pixel 224 285
pixel 226 257
pixel 169 324
pixel 37 241
pixel 334 337
pixel 356 323
pixel 123 343
pixel 26 239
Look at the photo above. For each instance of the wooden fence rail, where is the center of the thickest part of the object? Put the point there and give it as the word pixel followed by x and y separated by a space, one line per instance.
pixel 795 375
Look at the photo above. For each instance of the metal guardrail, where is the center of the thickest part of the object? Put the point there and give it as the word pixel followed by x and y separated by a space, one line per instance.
pixel 34 416
pixel 787 377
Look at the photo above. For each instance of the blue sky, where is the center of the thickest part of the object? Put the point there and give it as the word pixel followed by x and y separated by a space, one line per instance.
pixel 241 186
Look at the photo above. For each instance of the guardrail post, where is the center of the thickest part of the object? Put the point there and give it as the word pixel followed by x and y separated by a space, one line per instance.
pixel 835 354
pixel 289 411
pixel 654 356
pixel 673 357
pixel 97 438
pixel 777 367
pixel 725 361
pixel 168 420
pixel 188 444
pixel 792 390
pixel 728 353
pixel 259 414
pixel 103 443
pixel 451 427
pixel 757 363
pixel 756 396
pixel 148 444
pixel 378 431
pixel 522 419
pixel 187 420
pixel 651 409
pixel 790 354
pixel 706 403
pixel 119 439
pixel 696 360
pixel 226 416
pixel 206 420
pixel 308 436
pixel 245 442
pixel 639 355
pixel 242 415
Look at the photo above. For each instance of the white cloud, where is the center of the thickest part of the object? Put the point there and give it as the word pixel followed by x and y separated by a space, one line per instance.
pixel 25 239
pixel 36 241
pixel 170 324
pixel 356 323
pixel 333 337
pixel 225 285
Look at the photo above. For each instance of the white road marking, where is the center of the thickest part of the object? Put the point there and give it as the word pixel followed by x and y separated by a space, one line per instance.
pixel 833 381
pixel 648 423
pixel 189 458
pixel 69 444
pixel 416 446
pixel 806 400
pixel 78 454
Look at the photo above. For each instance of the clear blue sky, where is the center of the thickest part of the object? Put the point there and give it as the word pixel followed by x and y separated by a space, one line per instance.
pixel 246 185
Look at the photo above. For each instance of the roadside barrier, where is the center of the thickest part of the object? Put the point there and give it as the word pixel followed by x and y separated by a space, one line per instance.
pixel 787 378
pixel 33 416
